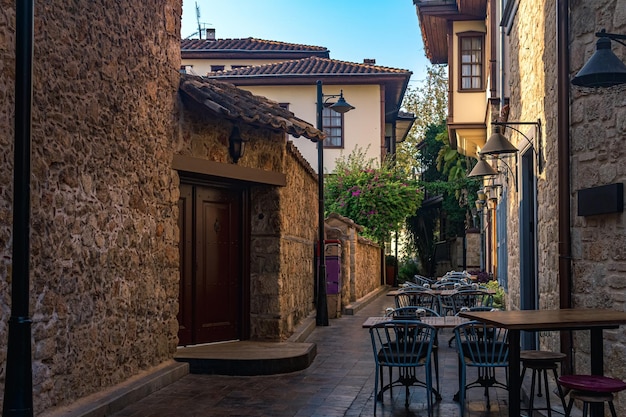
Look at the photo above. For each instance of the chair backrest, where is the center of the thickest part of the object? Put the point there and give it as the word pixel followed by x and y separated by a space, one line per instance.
pixel 471 298
pixel 411 286
pixel 422 280
pixel 457 274
pixel 411 312
pixel 479 308
pixel 450 283
pixel 482 345
pixel 408 298
pixel 402 343
pixel 445 285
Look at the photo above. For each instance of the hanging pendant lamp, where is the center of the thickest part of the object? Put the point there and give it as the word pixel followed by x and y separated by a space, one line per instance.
pixel 603 69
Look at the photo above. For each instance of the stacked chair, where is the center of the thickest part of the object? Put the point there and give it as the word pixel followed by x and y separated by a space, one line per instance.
pixel 417 298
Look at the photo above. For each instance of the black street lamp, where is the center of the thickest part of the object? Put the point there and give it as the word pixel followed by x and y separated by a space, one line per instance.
pixel 341 106
pixel 18 383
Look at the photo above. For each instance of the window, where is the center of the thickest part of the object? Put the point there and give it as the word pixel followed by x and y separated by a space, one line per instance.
pixel 471 60
pixel 215 68
pixel 332 125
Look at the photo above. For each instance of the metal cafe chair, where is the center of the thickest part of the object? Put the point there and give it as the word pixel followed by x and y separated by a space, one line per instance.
pixel 411 298
pixel 485 348
pixel 422 280
pixel 411 286
pixel 471 298
pixel 406 345
pixel 477 308
pixel 416 313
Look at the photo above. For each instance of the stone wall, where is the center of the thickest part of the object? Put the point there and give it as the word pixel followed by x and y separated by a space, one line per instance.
pixel 598 133
pixel 360 259
pixel 104 255
pixel 368 267
pixel 283 221
pixel 472 249
pixel 291 212
pixel 533 96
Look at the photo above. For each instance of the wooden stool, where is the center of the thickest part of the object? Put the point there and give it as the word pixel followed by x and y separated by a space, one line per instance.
pixel 591 389
pixel 541 361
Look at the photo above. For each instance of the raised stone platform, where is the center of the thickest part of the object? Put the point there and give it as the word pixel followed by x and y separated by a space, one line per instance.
pixel 247 357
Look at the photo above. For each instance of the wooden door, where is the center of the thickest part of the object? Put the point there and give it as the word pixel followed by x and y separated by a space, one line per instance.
pixel 211 267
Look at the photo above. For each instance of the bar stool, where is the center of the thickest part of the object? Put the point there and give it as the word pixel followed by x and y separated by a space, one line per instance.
pixel 541 361
pixel 591 389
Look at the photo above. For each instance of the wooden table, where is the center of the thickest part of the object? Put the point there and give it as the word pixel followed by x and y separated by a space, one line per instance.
pixel 594 320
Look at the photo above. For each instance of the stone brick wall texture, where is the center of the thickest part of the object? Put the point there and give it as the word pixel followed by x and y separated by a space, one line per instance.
pixel 104 256
pixel 283 221
pixel 295 212
pixel 597 132
pixel 299 200
pixel 360 259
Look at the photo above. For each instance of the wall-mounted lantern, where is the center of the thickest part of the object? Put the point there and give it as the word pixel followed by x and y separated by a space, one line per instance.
pixel 236 144
pixel 603 69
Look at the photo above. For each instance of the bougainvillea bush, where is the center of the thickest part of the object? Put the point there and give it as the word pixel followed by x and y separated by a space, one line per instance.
pixel 377 197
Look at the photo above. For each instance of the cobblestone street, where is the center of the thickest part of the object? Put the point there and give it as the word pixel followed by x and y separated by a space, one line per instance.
pixel 340 382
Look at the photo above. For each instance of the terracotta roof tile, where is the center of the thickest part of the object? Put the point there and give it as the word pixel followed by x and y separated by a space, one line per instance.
pixel 309 66
pixel 226 100
pixel 248 45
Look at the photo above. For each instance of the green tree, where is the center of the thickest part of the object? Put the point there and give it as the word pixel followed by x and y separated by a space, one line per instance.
pixel 428 101
pixel 446 186
pixel 379 198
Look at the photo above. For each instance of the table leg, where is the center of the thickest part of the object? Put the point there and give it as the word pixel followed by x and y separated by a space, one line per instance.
pixel 597 365
pixel 514 373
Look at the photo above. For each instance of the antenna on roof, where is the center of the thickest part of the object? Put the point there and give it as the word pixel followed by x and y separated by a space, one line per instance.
pixel 198 20
pixel 209 33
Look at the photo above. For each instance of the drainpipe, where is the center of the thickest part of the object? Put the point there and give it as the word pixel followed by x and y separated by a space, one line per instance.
pixel 18 385
pixel 564 185
pixel 501 60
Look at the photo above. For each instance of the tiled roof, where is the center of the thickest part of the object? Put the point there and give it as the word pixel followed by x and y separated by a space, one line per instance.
pixel 226 100
pixel 248 46
pixel 309 66
pixel 434 18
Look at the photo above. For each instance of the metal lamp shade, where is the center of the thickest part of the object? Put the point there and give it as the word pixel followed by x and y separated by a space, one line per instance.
pixel 341 106
pixel 603 69
pixel 482 169
pixel 497 144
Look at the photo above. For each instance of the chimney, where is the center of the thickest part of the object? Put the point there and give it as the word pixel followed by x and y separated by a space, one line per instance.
pixel 209 34
pixel 369 61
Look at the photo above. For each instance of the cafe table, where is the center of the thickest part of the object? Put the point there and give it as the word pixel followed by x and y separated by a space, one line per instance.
pixel 594 320
pixel 436 322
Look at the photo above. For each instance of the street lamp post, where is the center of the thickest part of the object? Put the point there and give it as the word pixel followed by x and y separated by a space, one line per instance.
pixel 18 382
pixel 340 106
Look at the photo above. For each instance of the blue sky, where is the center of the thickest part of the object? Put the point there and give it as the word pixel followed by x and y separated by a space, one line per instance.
pixel 386 30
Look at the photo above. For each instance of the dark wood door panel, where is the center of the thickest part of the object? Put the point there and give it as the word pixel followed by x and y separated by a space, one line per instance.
pixel 211 267
pixel 185 292
pixel 217 278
